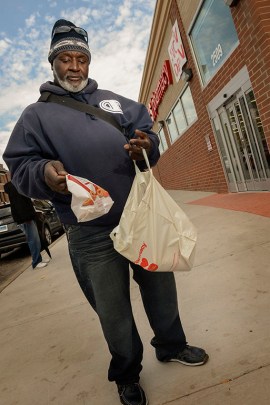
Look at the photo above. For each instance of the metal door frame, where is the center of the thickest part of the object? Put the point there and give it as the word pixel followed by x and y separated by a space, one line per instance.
pixel 236 90
pixel 245 184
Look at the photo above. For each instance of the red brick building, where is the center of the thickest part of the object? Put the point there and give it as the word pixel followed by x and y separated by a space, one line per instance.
pixel 4 178
pixel 206 82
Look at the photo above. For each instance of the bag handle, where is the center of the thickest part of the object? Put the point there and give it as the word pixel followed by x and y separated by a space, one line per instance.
pixel 146 161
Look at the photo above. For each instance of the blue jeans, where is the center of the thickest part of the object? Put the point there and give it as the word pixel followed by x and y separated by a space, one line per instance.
pixel 103 275
pixel 33 240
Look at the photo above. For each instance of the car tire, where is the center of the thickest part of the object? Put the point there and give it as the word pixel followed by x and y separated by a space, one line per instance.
pixel 47 235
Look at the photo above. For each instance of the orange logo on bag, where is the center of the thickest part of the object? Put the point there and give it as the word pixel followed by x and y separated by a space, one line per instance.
pixel 89 201
pixel 99 191
pixel 143 262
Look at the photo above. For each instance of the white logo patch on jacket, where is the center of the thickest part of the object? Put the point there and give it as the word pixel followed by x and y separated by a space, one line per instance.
pixel 112 106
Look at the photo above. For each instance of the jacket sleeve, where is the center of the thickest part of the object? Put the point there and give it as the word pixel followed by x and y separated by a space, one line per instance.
pixel 25 159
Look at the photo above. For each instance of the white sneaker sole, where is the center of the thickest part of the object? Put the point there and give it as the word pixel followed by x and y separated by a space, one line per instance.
pixel 41 265
pixel 190 364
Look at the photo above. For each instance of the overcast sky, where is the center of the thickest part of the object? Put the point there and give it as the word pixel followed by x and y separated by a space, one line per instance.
pixel 118 37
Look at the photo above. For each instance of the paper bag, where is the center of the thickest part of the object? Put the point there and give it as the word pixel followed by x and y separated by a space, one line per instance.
pixel 89 201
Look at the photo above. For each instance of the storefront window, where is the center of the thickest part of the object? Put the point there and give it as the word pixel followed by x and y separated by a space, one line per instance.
pixel 172 127
pixel 213 37
pixel 163 143
pixel 179 116
pixel 189 107
pixel 182 115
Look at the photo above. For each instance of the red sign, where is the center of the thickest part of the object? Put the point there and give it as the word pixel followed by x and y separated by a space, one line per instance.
pixel 164 81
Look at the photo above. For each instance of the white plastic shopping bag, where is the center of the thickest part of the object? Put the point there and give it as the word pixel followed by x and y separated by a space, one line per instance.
pixel 89 201
pixel 154 232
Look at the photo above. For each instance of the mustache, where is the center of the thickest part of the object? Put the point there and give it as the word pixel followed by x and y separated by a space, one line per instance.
pixel 77 76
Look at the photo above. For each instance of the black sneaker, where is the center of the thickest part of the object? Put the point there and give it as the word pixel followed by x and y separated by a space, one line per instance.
pixel 191 356
pixel 132 394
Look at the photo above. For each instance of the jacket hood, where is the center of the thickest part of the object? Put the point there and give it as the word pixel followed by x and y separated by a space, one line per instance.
pixel 53 88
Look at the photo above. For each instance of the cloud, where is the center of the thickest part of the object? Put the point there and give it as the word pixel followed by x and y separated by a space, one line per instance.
pixel 79 16
pixel 117 40
pixel 29 22
pixel 124 12
pixel 4 45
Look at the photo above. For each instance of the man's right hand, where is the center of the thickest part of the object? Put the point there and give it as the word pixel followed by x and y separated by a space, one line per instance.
pixel 55 176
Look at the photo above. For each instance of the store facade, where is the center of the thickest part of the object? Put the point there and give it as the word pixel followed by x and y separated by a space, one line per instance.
pixel 206 83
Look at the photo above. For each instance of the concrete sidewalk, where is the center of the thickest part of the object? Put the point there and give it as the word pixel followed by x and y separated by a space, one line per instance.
pixel 53 351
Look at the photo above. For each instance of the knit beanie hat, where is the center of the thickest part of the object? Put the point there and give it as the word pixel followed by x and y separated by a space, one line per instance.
pixel 67 37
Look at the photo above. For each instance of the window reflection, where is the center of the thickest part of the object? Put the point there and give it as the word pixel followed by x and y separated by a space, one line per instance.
pixel 163 143
pixel 189 107
pixel 180 118
pixel 257 124
pixel 239 142
pixel 182 115
pixel 223 150
pixel 213 37
pixel 172 127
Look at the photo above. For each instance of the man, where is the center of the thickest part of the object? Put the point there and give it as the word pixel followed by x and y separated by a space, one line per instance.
pixel 24 214
pixel 51 140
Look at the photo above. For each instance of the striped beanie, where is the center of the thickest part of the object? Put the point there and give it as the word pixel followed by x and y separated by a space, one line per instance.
pixel 67 41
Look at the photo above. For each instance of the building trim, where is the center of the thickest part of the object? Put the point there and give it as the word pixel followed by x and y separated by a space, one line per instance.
pixel 229 89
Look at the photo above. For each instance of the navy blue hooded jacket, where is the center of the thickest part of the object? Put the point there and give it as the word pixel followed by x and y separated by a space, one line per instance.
pixel 87 146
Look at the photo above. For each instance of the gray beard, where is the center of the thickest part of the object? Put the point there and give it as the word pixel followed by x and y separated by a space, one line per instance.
pixel 68 86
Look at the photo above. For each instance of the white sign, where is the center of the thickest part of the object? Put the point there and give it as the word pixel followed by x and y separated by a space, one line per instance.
pixel 208 142
pixel 176 51
pixel 216 55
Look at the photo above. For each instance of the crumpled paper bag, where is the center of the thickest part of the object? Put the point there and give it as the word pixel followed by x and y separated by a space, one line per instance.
pixel 89 200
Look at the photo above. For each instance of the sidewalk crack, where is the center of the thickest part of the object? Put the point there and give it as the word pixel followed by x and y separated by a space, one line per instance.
pixel 226 381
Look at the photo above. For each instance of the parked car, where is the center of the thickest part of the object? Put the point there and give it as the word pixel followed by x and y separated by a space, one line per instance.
pixel 48 223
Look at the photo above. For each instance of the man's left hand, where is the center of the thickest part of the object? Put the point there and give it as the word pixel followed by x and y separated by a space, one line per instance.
pixel 136 145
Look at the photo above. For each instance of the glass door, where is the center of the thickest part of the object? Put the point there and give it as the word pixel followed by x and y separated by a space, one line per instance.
pixel 228 155
pixel 242 143
pixel 258 139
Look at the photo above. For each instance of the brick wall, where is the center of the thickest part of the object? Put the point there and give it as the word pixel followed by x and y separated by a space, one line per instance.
pixel 4 178
pixel 252 20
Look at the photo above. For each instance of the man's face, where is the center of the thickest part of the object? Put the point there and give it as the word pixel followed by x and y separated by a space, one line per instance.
pixel 70 70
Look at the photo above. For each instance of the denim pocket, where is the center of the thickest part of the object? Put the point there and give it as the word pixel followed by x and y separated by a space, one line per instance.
pixel 70 229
